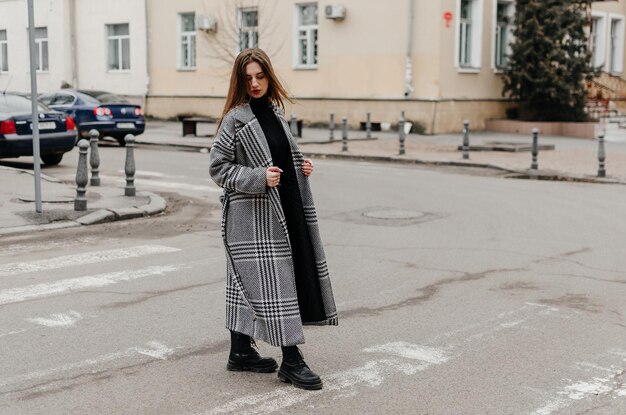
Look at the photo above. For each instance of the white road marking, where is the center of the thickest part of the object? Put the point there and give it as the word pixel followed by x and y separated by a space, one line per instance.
pixel 17 268
pixel 19 294
pixel 608 385
pixel 411 351
pixel 154 350
pixel 10 333
pixel 372 374
pixel 208 187
pixel 511 324
pixel 400 358
pixel 27 248
pixel 543 310
pixel 58 320
pixel 183 186
pixel 579 390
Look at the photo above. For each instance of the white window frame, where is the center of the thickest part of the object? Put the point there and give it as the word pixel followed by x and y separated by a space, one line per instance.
pixel 598 59
pixel 476 37
pixel 40 44
pixel 495 46
pixel 4 51
pixel 251 30
pixel 312 56
pixel 188 40
pixel 615 62
pixel 120 41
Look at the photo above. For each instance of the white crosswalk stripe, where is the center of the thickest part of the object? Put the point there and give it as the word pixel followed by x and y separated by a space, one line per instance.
pixel 17 268
pixel 163 182
pixel 19 294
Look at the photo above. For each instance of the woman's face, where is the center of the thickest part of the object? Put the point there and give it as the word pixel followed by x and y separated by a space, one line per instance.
pixel 256 80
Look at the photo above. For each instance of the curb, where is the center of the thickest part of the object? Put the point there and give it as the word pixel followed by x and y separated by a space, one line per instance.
pixel 156 205
pixel 392 159
pixel 511 174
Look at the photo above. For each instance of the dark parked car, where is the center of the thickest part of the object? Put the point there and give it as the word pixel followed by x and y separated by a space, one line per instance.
pixel 110 114
pixel 57 131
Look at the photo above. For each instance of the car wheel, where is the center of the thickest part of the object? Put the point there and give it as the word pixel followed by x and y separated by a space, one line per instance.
pixel 52 159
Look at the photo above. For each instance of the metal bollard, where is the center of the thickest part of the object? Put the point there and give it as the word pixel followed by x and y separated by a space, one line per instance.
pixel 401 134
pixel 94 158
pixel 80 202
pixel 368 126
pixel 129 167
pixel 344 134
pixel 535 149
pixel 331 126
pixel 293 125
pixel 465 139
pixel 601 155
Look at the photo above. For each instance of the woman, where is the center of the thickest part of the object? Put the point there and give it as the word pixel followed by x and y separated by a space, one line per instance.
pixel 277 278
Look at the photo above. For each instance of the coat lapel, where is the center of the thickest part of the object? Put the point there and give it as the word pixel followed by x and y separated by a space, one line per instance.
pixel 256 143
pixel 258 149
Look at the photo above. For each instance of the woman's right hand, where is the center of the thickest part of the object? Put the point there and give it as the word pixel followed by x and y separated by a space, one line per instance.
pixel 272 176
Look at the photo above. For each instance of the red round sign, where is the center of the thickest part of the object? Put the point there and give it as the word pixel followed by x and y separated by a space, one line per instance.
pixel 447 16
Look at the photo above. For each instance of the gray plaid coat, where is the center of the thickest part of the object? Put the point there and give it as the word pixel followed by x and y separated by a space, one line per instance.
pixel 261 299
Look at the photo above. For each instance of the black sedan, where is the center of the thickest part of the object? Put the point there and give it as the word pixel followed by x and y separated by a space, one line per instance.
pixel 57 131
pixel 110 114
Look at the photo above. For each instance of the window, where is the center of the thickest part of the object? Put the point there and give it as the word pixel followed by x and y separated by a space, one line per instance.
pixel 187 41
pixel 469 32
pixel 4 52
pixel 597 39
pixel 616 44
pixel 503 33
pixel 306 36
pixel 118 36
pixel 59 98
pixel 248 28
pixel 41 46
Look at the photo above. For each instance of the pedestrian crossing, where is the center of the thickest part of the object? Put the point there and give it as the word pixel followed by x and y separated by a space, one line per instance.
pixel 59 310
pixel 377 366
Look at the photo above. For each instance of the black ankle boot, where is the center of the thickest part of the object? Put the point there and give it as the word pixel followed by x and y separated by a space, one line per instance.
pixel 295 370
pixel 243 357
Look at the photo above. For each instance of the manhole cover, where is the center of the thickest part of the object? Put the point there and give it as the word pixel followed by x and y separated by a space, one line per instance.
pixel 386 216
pixel 391 214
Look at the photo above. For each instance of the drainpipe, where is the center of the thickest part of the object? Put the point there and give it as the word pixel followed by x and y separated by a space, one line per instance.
pixel 73 51
pixel 147 92
pixel 408 75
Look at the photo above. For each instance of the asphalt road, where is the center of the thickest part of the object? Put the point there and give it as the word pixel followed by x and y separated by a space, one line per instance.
pixel 457 294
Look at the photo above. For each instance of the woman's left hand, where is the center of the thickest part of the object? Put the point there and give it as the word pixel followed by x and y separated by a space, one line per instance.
pixel 307 167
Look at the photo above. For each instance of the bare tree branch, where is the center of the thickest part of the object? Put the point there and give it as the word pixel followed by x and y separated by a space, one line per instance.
pixel 223 45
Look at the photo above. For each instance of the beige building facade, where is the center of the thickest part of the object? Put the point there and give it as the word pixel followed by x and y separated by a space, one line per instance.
pixel 439 61
pixel 86 44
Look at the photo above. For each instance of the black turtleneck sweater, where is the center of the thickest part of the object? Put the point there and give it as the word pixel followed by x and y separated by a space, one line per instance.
pixel 305 268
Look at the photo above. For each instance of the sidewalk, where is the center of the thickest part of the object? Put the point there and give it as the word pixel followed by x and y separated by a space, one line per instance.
pixel 104 204
pixel 571 160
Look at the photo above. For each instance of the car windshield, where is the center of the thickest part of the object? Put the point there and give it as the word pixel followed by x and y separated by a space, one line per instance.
pixel 16 104
pixel 104 97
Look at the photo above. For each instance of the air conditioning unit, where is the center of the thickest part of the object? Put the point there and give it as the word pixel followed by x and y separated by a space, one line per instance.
pixel 335 12
pixel 206 23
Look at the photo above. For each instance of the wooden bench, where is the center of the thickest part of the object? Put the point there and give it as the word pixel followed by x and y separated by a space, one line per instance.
pixel 190 124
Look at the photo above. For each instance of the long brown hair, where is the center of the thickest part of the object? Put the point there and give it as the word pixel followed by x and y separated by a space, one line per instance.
pixel 238 89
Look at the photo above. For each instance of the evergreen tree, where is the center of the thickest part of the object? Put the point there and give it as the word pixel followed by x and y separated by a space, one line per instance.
pixel 550 59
